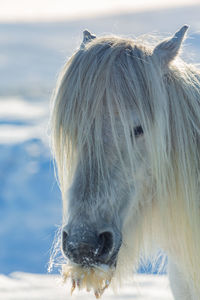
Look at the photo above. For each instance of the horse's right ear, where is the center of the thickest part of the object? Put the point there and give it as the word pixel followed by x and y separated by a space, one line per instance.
pixel 167 50
pixel 87 37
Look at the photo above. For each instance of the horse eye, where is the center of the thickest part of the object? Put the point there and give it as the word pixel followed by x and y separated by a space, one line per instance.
pixel 138 131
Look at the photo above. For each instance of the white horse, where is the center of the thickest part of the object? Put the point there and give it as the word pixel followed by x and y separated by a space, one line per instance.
pixel 126 139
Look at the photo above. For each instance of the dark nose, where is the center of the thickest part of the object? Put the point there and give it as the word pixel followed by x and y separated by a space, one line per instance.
pixel 87 247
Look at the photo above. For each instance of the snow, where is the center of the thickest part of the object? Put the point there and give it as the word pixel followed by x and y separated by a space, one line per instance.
pixel 22 10
pixel 21 120
pixel 23 286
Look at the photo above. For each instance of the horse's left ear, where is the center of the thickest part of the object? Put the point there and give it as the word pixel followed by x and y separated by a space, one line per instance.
pixel 167 50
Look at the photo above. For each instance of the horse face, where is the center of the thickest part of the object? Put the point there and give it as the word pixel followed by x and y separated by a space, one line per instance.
pixel 97 207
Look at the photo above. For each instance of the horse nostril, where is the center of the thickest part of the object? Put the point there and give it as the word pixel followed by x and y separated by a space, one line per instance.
pixel 79 245
pixel 105 244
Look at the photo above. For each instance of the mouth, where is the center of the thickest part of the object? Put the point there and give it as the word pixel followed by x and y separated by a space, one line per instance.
pixel 96 278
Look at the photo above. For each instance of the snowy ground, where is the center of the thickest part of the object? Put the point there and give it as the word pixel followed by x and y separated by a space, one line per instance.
pixel 25 286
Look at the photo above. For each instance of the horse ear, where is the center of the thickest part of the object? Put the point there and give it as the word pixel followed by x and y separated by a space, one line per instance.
pixel 167 50
pixel 87 37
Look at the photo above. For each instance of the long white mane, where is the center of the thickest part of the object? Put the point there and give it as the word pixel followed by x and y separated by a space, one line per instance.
pixel 110 77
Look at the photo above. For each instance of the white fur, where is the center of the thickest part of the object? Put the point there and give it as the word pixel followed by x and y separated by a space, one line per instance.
pixel 106 89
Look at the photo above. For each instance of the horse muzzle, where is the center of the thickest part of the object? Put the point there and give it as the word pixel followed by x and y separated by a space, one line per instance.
pixel 86 246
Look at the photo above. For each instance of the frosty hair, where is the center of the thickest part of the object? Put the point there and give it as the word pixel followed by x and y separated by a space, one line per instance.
pixel 105 80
